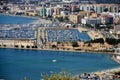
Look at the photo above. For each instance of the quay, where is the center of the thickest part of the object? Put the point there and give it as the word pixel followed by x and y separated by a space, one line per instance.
pixel 46 37
pixel 16 43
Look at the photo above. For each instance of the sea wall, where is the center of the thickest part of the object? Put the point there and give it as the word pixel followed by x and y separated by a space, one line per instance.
pixel 13 43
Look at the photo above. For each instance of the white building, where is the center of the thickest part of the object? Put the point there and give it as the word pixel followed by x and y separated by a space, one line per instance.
pixel 91 21
pixel 67 1
pixel 49 12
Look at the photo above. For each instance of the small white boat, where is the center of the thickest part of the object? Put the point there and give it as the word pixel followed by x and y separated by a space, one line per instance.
pixel 54 60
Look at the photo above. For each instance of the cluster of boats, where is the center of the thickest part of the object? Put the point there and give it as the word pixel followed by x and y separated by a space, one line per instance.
pixel 63 35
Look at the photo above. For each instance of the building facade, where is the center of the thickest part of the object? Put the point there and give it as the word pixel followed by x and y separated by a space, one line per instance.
pixel 106 19
pixel 117 29
pixel 42 12
pixel 91 21
pixel 49 12
pixel 99 8
pixel 75 18
pixel 56 12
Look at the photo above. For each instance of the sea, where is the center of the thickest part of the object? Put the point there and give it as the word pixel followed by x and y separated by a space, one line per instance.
pixel 7 19
pixel 16 64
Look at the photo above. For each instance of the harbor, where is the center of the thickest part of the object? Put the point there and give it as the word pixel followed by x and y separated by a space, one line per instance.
pixel 47 45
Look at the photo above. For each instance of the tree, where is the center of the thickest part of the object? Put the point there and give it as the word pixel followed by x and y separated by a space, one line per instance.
pixel 22 46
pixel 88 25
pixel 111 41
pixel 75 44
pixel 16 46
pixel 60 19
pixel 54 46
pixel 89 45
pixel 27 46
pixel 66 18
pixel 99 40
pixel 4 45
pixel 73 25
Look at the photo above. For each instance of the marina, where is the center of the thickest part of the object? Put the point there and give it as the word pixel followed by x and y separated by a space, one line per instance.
pixel 66 35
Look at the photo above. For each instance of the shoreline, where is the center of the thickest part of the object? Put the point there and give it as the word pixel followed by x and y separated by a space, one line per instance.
pixel 108 70
pixel 101 73
pixel 60 50
pixel 20 16
pixel 36 18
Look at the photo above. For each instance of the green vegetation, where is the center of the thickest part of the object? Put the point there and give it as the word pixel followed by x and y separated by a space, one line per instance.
pixel 109 26
pixel 64 75
pixel 75 44
pixel 54 46
pixel 99 40
pixel 89 45
pixel 88 26
pixel 16 46
pixel 27 46
pixel 112 41
pixel 60 19
pixel 22 46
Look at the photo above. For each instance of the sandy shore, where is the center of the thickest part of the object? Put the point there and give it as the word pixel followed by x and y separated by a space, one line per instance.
pixel 38 19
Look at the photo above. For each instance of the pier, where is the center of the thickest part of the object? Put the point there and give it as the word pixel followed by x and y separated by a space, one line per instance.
pixel 41 36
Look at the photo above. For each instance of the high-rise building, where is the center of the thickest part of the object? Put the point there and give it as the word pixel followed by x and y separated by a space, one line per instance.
pixel 75 18
pixel 49 12
pixel 42 12
pixel 56 11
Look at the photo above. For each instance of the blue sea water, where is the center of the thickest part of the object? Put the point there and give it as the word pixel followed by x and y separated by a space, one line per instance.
pixel 16 64
pixel 6 19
